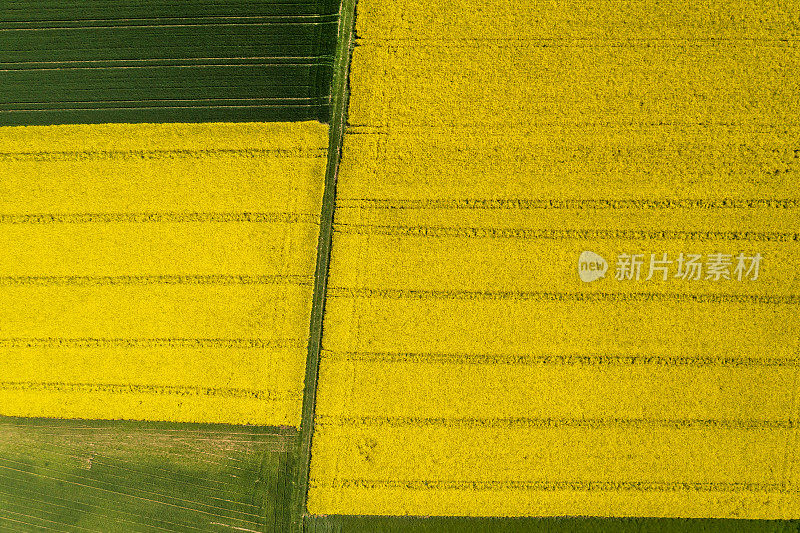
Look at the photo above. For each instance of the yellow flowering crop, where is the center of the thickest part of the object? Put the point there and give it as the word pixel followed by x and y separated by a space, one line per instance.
pixel 467 366
pixel 158 271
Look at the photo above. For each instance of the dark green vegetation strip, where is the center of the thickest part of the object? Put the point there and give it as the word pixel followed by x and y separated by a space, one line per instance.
pixel 80 476
pixel 95 61
pixel 340 91
pixel 375 524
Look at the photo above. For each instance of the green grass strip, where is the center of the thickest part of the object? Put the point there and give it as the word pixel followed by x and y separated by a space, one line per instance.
pixel 340 92
pixel 388 524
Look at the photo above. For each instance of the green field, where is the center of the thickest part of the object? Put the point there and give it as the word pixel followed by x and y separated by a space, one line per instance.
pixel 162 61
pixel 130 476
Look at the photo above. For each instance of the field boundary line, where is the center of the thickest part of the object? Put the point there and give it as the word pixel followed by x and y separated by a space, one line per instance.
pixel 339 98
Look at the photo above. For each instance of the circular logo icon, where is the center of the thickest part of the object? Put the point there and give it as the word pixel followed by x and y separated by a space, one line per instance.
pixel 591 266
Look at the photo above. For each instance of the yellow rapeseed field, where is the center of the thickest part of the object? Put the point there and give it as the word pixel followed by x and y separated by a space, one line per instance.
pixel 501 154
pixel 158 271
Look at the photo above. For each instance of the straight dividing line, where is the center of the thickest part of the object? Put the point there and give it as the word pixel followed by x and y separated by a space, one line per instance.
pixel 340 93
